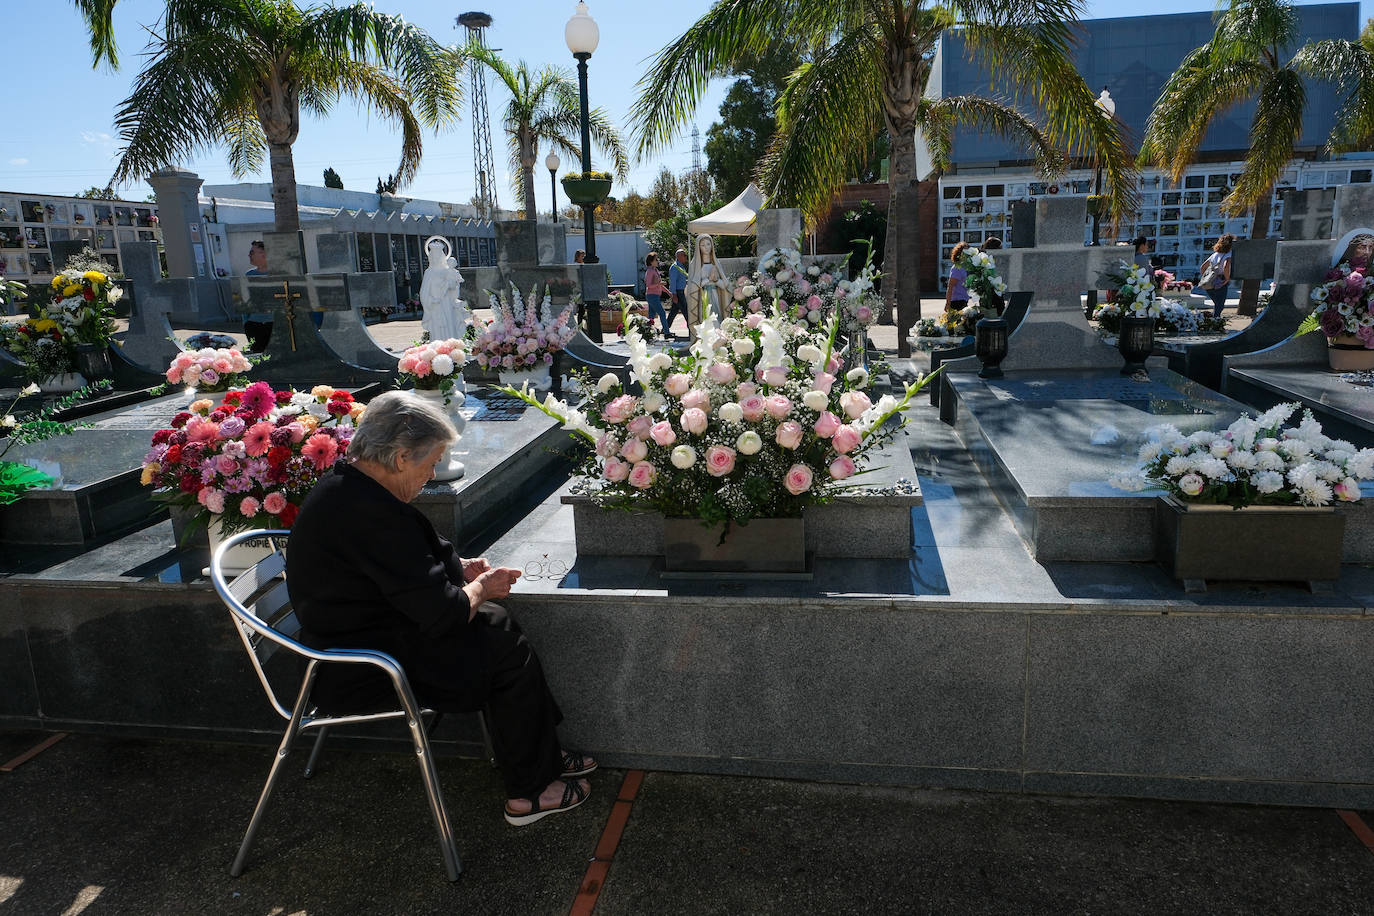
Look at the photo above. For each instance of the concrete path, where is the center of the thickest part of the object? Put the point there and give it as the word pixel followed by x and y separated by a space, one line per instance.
pixel 101 825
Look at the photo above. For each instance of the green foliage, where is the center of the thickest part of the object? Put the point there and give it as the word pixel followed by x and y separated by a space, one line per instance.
pixel 735 144
pixel 16 479
pixel 332 179
pixel 865 234
pixel 95 192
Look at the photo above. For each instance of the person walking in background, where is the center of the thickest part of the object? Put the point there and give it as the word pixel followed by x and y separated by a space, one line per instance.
pixel 257 326
pixel 677 289
pixel 956 294
pixel 654 290
pixel 1214 277
pixel 579 256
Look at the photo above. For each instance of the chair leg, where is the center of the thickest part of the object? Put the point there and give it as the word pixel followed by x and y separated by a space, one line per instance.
pixel 486 737
pixel 287 740
pixel 452 865
pixel 315 752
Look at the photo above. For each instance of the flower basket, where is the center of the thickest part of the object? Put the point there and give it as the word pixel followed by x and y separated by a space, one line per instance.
pixel 1200 541
pixel 765 545
pixel 1347 353
pixel 587 192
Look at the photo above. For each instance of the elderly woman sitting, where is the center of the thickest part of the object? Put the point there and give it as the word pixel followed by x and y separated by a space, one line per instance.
pixel 365 569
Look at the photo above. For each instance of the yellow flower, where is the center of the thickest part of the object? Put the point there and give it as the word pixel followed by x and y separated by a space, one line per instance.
pixel 70 291
pixel 47 324
pixel 150 471
pixel 202 406
pixel 322 392
pixel 57 282
pixel 95 276
pixel 310 423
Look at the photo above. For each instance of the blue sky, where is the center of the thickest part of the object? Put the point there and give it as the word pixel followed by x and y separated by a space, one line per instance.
pixel 60 134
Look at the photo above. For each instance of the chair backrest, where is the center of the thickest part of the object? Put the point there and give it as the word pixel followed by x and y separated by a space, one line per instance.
pixel 261 608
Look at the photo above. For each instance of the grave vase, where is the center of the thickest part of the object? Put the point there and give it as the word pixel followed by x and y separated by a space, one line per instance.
pixel 242 555
pixel 449 468
pixel 1200 541
pixel 93 361
pixel 1136 341
pixel 765 545
pixel 539 378
pixel 62 383
pixel 1347 353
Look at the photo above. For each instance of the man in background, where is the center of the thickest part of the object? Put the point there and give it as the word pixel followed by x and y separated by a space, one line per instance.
pixel 257 325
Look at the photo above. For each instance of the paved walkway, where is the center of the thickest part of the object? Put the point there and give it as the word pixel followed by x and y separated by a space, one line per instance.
pixel 104 825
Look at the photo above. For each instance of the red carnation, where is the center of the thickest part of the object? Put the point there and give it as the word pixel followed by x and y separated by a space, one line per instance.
pixel 283 398
pixel 161 436
pixel 341 395
pixel 233 398
pixel 278 455
pixel 338 408
pixel 88 294
pixel 288 515
pixel 180 419
pixel 173 455
pixel 219 414
pixel 190 483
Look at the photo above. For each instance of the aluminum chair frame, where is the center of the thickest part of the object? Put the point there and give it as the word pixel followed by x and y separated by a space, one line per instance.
pixel 265 584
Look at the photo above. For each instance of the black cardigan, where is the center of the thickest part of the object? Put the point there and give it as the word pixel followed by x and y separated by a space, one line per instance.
pixel 367 571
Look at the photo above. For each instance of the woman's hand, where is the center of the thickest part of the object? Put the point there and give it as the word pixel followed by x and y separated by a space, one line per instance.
pixel 489 585
pixel 474 568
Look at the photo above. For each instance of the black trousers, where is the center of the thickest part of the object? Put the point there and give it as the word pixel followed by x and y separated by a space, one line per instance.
pixel 678 307
pixel 522 714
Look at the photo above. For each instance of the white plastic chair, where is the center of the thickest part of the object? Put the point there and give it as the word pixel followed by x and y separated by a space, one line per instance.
pixel 262 614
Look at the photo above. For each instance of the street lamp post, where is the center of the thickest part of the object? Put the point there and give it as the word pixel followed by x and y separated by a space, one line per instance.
pixel 551 162
pixel 582 35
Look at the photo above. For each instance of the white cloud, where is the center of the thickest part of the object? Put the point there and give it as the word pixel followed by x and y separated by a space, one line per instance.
pixel 90 136
pixel 19 161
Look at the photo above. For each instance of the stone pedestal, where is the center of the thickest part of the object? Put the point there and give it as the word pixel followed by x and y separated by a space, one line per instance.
pixel 178 208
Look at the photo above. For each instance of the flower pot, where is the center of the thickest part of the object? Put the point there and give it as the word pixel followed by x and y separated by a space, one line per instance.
pixel 1347 353
pixel 242 555
pixel 765 545
pixel 539 377
pixel 1200 541
pixel 65 383
pixel 93 361
pixel 450 468
pixel 1136 341
pixel 587 192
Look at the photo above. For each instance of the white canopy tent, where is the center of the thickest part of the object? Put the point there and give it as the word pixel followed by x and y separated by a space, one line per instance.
pixel 735 218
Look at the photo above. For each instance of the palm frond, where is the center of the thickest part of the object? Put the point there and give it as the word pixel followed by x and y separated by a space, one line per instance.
pixel 247 144
pixel 1350 66
pixel 1276 127
pixel 385 95
pixel 1203 88
pixel 99 16
pixel 992 116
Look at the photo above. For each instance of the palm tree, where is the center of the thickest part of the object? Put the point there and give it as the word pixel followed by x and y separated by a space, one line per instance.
pixel 1245 59
pixel 869 68
pixel 545 106
pixel 239 72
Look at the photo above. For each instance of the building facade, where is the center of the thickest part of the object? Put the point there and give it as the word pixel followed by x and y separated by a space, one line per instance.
pixel 34 228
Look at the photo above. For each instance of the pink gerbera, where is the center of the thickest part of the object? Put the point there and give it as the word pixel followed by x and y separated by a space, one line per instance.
pixel 257 440
pixel 259 398
pixel 321 450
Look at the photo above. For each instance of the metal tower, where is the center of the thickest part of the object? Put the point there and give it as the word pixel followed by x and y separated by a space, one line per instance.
pixel 696 149
pixel 476 24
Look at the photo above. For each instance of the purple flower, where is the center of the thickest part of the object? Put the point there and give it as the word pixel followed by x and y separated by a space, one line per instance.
pixel 232 427
pixel 280 436
pixel 1332 323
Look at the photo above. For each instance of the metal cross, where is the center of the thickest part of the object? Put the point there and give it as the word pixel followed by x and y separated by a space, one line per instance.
pixel 290 308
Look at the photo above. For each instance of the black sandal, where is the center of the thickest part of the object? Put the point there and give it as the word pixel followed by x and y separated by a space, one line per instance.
pixel 573 795
pixel 575 765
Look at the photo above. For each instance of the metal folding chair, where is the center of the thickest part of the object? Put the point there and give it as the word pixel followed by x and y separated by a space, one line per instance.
pixel 262 614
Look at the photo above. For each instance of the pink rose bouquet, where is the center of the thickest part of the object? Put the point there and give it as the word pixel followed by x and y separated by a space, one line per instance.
pixel 209 369
pixel 757 420
pixel 434 365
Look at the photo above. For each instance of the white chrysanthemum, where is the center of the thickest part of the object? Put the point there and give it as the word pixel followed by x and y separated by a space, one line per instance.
pixel 1148 452
pixel 743 346
pixel 1268 482
pixel 607 382
pixel 816 400
pixel 1202 437
pixel 810 353
pixel 1269 461
pixel 730 412
pixel 1213 468
pixel 1314 492
pixel 1300 474
pixel 1327 471
pixel 443 364
pixel 659 361
pixel 1275 416
pixel 1178 465
pixel 1242 461
pixel 1361 467
pixel 653 401
pixel 683 457
pixel 1295 449
pixel 857 378
pixel 749 442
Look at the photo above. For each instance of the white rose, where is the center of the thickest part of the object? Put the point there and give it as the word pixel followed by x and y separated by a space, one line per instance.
pixel 8 421
pixel 115 294
pixel 749 443
pixel 1191 484
pixel 743 346
pixel 607 382
pixel 816 400
pixel 730 412
pixel 813 270
pixel 683 457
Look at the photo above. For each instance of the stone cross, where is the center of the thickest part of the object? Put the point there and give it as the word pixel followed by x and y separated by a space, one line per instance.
pixel 1054 333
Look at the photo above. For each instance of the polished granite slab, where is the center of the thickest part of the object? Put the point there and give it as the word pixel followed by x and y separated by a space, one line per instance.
pixel 1345 410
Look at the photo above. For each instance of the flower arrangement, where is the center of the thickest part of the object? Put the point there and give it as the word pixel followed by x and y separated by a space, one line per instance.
pixel 981 277
pixel 434 365
pixel 1132 288
pixel 209 369
pixel 252 460
pixel 805 294
pixel 756 420
pixel 1343 304
pixel 42 345
pixel 631 313
pixel 1178 319
pixel 517 338
pixel 1255 460
pixel 83 302
pixel 1165 282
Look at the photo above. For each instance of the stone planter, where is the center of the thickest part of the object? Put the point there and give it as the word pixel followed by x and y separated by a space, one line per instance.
pixel 93 361
pixel 765 545
pixel 538 377
pixel 1200 541
pixel 587 192
pixel 1347 353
